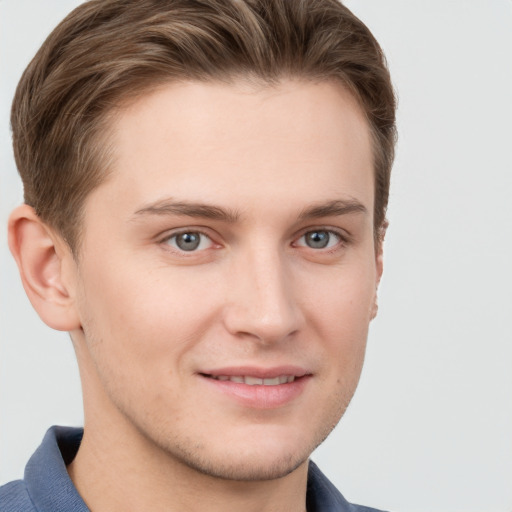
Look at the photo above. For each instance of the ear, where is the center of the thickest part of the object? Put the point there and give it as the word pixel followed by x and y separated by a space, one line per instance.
pixel 379 266
pixel 47 268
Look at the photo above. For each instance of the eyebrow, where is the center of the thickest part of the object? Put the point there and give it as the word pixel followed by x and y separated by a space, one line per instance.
pixel 170 207
pixel 333 209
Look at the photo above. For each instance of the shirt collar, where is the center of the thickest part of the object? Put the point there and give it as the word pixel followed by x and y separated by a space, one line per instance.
pixel 50 487
pixel 46 477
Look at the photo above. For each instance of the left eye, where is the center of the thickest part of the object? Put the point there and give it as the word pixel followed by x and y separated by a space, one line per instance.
pixel 189 241
pixel 319 239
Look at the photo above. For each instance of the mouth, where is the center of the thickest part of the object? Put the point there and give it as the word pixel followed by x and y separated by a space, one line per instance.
pixel 258 388
pixel 251 380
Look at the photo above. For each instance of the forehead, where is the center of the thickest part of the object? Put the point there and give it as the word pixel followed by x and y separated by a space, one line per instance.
pixel 232 143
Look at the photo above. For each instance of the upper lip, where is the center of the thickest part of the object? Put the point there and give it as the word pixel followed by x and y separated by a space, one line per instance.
pixel 257 371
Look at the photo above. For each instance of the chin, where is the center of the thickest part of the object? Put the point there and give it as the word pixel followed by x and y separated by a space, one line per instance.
pixel 261 456
pixel 246 468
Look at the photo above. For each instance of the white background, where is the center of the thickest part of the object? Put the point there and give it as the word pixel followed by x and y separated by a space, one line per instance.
pixel 430 428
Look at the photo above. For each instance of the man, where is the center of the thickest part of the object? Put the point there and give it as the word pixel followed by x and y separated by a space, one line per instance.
pixel 205 195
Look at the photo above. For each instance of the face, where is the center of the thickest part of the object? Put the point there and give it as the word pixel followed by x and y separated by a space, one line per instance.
pixel 227 274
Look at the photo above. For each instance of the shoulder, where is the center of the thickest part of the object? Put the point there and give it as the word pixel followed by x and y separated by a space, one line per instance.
pixel 360 508
pixel 322 495
pixel 46 486
pixel 14 498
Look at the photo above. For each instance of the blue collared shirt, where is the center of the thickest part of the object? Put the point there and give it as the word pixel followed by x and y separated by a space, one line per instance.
pixel 47 487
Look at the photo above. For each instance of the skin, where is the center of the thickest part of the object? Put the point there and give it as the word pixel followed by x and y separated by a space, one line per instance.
pixel 253 172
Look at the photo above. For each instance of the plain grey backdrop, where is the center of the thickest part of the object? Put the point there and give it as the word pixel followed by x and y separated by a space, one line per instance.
pixel 430 427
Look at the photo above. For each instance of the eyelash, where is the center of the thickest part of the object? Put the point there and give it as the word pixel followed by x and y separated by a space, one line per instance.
pixel 342 239
pixel 174 236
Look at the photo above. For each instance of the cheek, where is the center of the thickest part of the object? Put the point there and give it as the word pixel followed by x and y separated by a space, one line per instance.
pixel 341 315
pixel 343 300
pixel 132 341
pixel 146 317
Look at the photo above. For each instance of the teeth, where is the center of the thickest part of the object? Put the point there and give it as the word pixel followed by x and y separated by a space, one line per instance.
pixel 253 381
pixel 256 381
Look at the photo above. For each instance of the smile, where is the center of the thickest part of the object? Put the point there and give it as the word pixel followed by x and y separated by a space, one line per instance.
pixel 258 388
pixel 255 381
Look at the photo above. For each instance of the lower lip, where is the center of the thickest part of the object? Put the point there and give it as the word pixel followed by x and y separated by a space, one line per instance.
pixel 260 396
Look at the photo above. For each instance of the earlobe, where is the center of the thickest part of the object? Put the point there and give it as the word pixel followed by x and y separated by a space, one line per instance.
pixel 42 257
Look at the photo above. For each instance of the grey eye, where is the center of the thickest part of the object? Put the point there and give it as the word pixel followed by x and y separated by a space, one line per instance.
pixel 189 241
pixel 317 239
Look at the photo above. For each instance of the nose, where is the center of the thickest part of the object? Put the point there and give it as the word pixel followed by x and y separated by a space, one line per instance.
pixel 262 302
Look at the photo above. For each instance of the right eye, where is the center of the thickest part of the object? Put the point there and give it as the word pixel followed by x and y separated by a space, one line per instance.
pixel 189 241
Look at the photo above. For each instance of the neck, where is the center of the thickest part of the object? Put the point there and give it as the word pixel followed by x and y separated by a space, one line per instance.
pixel 114 472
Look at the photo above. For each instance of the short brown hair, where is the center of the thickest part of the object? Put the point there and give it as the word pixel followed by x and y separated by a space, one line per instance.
pixel 108 51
